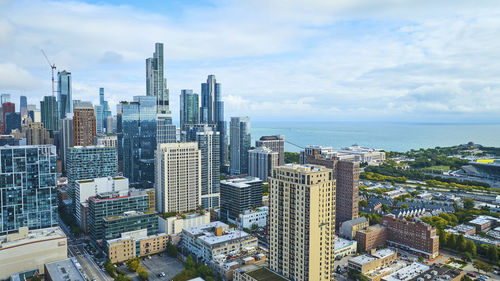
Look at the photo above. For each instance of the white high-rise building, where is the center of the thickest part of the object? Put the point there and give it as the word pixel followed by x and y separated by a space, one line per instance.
pixel 261 161
pixel 178 177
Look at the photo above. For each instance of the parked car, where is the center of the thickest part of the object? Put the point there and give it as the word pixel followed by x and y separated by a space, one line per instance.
pixel 471 274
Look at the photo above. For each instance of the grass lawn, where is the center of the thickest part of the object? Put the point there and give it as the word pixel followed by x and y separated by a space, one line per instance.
pixel 439 168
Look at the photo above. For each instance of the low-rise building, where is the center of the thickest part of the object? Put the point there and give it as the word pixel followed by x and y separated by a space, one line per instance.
pixel 226 267
pixel 29 249
pixel 63 270
pixel 214 239
pixel 418 271
pixel 463 229
pixel 344 247
pixel 130 221
pixel 349 228
pixel 258 217
pixel 484 222
pixel 256 273
pixel 408 273
pixel 136 244
pixel 371 237
pixel 175 223
pixel 367 263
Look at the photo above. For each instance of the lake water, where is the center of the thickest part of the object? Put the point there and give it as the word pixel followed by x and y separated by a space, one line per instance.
pixel 387 136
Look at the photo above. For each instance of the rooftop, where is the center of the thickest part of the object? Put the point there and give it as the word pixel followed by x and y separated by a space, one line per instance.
pixel 362 259
pixel 205 233
pixel 25 236
pixel 64 270
pixel 407 273
pixel 241 182
pixel 341 243
pixel 264 274
pixel 479 220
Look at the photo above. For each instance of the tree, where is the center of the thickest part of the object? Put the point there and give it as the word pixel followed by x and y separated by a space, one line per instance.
pixel 482 266
pixel 255 227
pixel 493 253
pixel 466 256
pixel 468 203
pixel 171 250
pixel 189 262
pixel 404 206
pixel 143 274
pixel 452 241
pixel 363 203
pixel 471 248
pixel 110 268
pixel 461 243
pixel 134 264
pixel 420 259
pixel 35 278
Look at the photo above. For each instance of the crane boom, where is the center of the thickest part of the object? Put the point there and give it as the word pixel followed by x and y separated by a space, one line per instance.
pixel 52 67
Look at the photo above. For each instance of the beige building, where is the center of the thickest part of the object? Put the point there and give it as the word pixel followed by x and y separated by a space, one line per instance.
pixel 30 249
pixel 175 224
pixel 302 222
pixel 349 228
pixel 125 247
pixel 37 134
pixel 178 177
pixel 371 262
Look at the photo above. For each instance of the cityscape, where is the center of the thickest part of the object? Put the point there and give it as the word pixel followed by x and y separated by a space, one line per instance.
pixel 166 185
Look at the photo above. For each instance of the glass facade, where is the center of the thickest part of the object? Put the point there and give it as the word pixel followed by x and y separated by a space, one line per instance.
pixel 189 108
pixel 138 139
pixel 64 93
pixel 28 187
pixel 114 226
pixel 49 112
pixel 240 145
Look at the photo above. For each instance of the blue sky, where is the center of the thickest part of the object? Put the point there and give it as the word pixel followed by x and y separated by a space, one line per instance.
pixel 357 60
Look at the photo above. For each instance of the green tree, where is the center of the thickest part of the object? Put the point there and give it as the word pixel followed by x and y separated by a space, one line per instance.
pixel 466 256
pixel 468 203
pixel 143 274
pixel 471 248
pixel 363 203
pixel 404 206
pixel 255 227
pixel 35 278
pixel 171 250
pixel 420 259
pixel 461 243
pixel 452 241
pixel 134 264
pixel 110 268
pixel 189 262
pixel 493 253
pixel 482 266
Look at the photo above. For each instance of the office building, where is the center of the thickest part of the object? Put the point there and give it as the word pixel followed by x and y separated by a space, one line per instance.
pixel 34 113
pixel 89 162
pixel 156 83
pixel 276 143
pixel 23 107
pixel 28 187
pixel 138 139
pixel 346 173
pixel 261 162
pixel 416 237
pixel 178 177
pixel 7 107
pixel 128 221
pixel 175 223
pixel 36 134
pixel 350 227
pixel 84 126
pixel 216 239
pixel 166 131
pixel 371 237
pixel 212 112
pixel 64 95
pixel 372 261
pixel 10 140
pixel 106 112
pixel 112 204
pixel 110 124
pixel 4 98
pixel 98 112
pixel 302 222
pixel 63 270
pixel 31 249
pixel 86 188
pixel 344 247
pixel 136 244
pixel 189 109
pixel 254 217
pixel 66 140
pixel 208 143
pixel 239 145
pixel 107 140
pixel 12 122
pixel 50 113
pixel 239 195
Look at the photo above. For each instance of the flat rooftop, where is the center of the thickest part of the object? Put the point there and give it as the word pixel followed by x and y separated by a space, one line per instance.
pixel 64 270
pixel 205 233
pixel 407 273
pixel 341 243
pixel 264 274
pixel 383 253
pixel 241 182
pixel 362 259
pixel 480 220
pixel 35 235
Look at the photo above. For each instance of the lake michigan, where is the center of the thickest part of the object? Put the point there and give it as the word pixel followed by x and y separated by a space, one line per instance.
pixel 387 136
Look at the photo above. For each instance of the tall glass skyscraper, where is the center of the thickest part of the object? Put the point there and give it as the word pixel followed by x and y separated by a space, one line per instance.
pixel 64 93
pixel 240 144
pixel 138 139
pixel 49 112
pixel 28 185
pixel 208 142
pixel 98 111
pixel 156 83
pixel 23 107
pixel 212 111
pixel 106 112
pixel 189 109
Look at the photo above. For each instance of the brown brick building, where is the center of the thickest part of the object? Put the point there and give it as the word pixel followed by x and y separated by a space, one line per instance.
pixel 417 237
pixel 84 126
pixel 371 237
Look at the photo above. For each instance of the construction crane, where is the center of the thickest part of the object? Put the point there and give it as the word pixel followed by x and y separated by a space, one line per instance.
pixel 52 67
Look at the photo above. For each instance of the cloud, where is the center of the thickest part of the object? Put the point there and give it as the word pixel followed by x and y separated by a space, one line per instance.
pixel 298 60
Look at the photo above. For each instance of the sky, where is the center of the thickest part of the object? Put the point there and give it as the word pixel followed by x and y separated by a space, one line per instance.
pixel 296 60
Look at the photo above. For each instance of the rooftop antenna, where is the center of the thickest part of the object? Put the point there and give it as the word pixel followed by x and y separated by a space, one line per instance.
pixel 52 67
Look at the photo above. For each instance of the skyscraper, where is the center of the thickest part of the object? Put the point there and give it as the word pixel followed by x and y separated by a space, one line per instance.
pixel 106 112
pixel 261 162
pixel 178 177
pixel 275 143
pixel 166 132
pixel 189 109
pixel 156 84
pixel 66 140
pixel 212 112
pixel 302 222
pixel 88 162
pixel 49 112
pixel 36 134
pixel 98 112
pixel 4 98
pixel 32 201
pixel 239 145
pixel 23 107
pixel 238 195
pixel 7 107
pixel 64 93
pixel 84 126
pixel 138 139
pixel 208 143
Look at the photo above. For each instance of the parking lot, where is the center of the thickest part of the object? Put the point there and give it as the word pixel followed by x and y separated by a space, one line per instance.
pixel 164 263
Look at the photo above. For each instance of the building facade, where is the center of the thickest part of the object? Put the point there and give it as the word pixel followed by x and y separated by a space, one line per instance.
pixel 136 244
pixel 261 162
pixel 371 237
pixel 36 134
pixel 176 223
pixel 64 95
pixel 239 145
pixel 178 177
pixel 49 113
pixel 114 226
pixel 302 222
pixel 28 185
pixel 349 228
pixel 66 140
pixel 275 143
pixel 189 108
pixel 84 126
pixel 239 195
